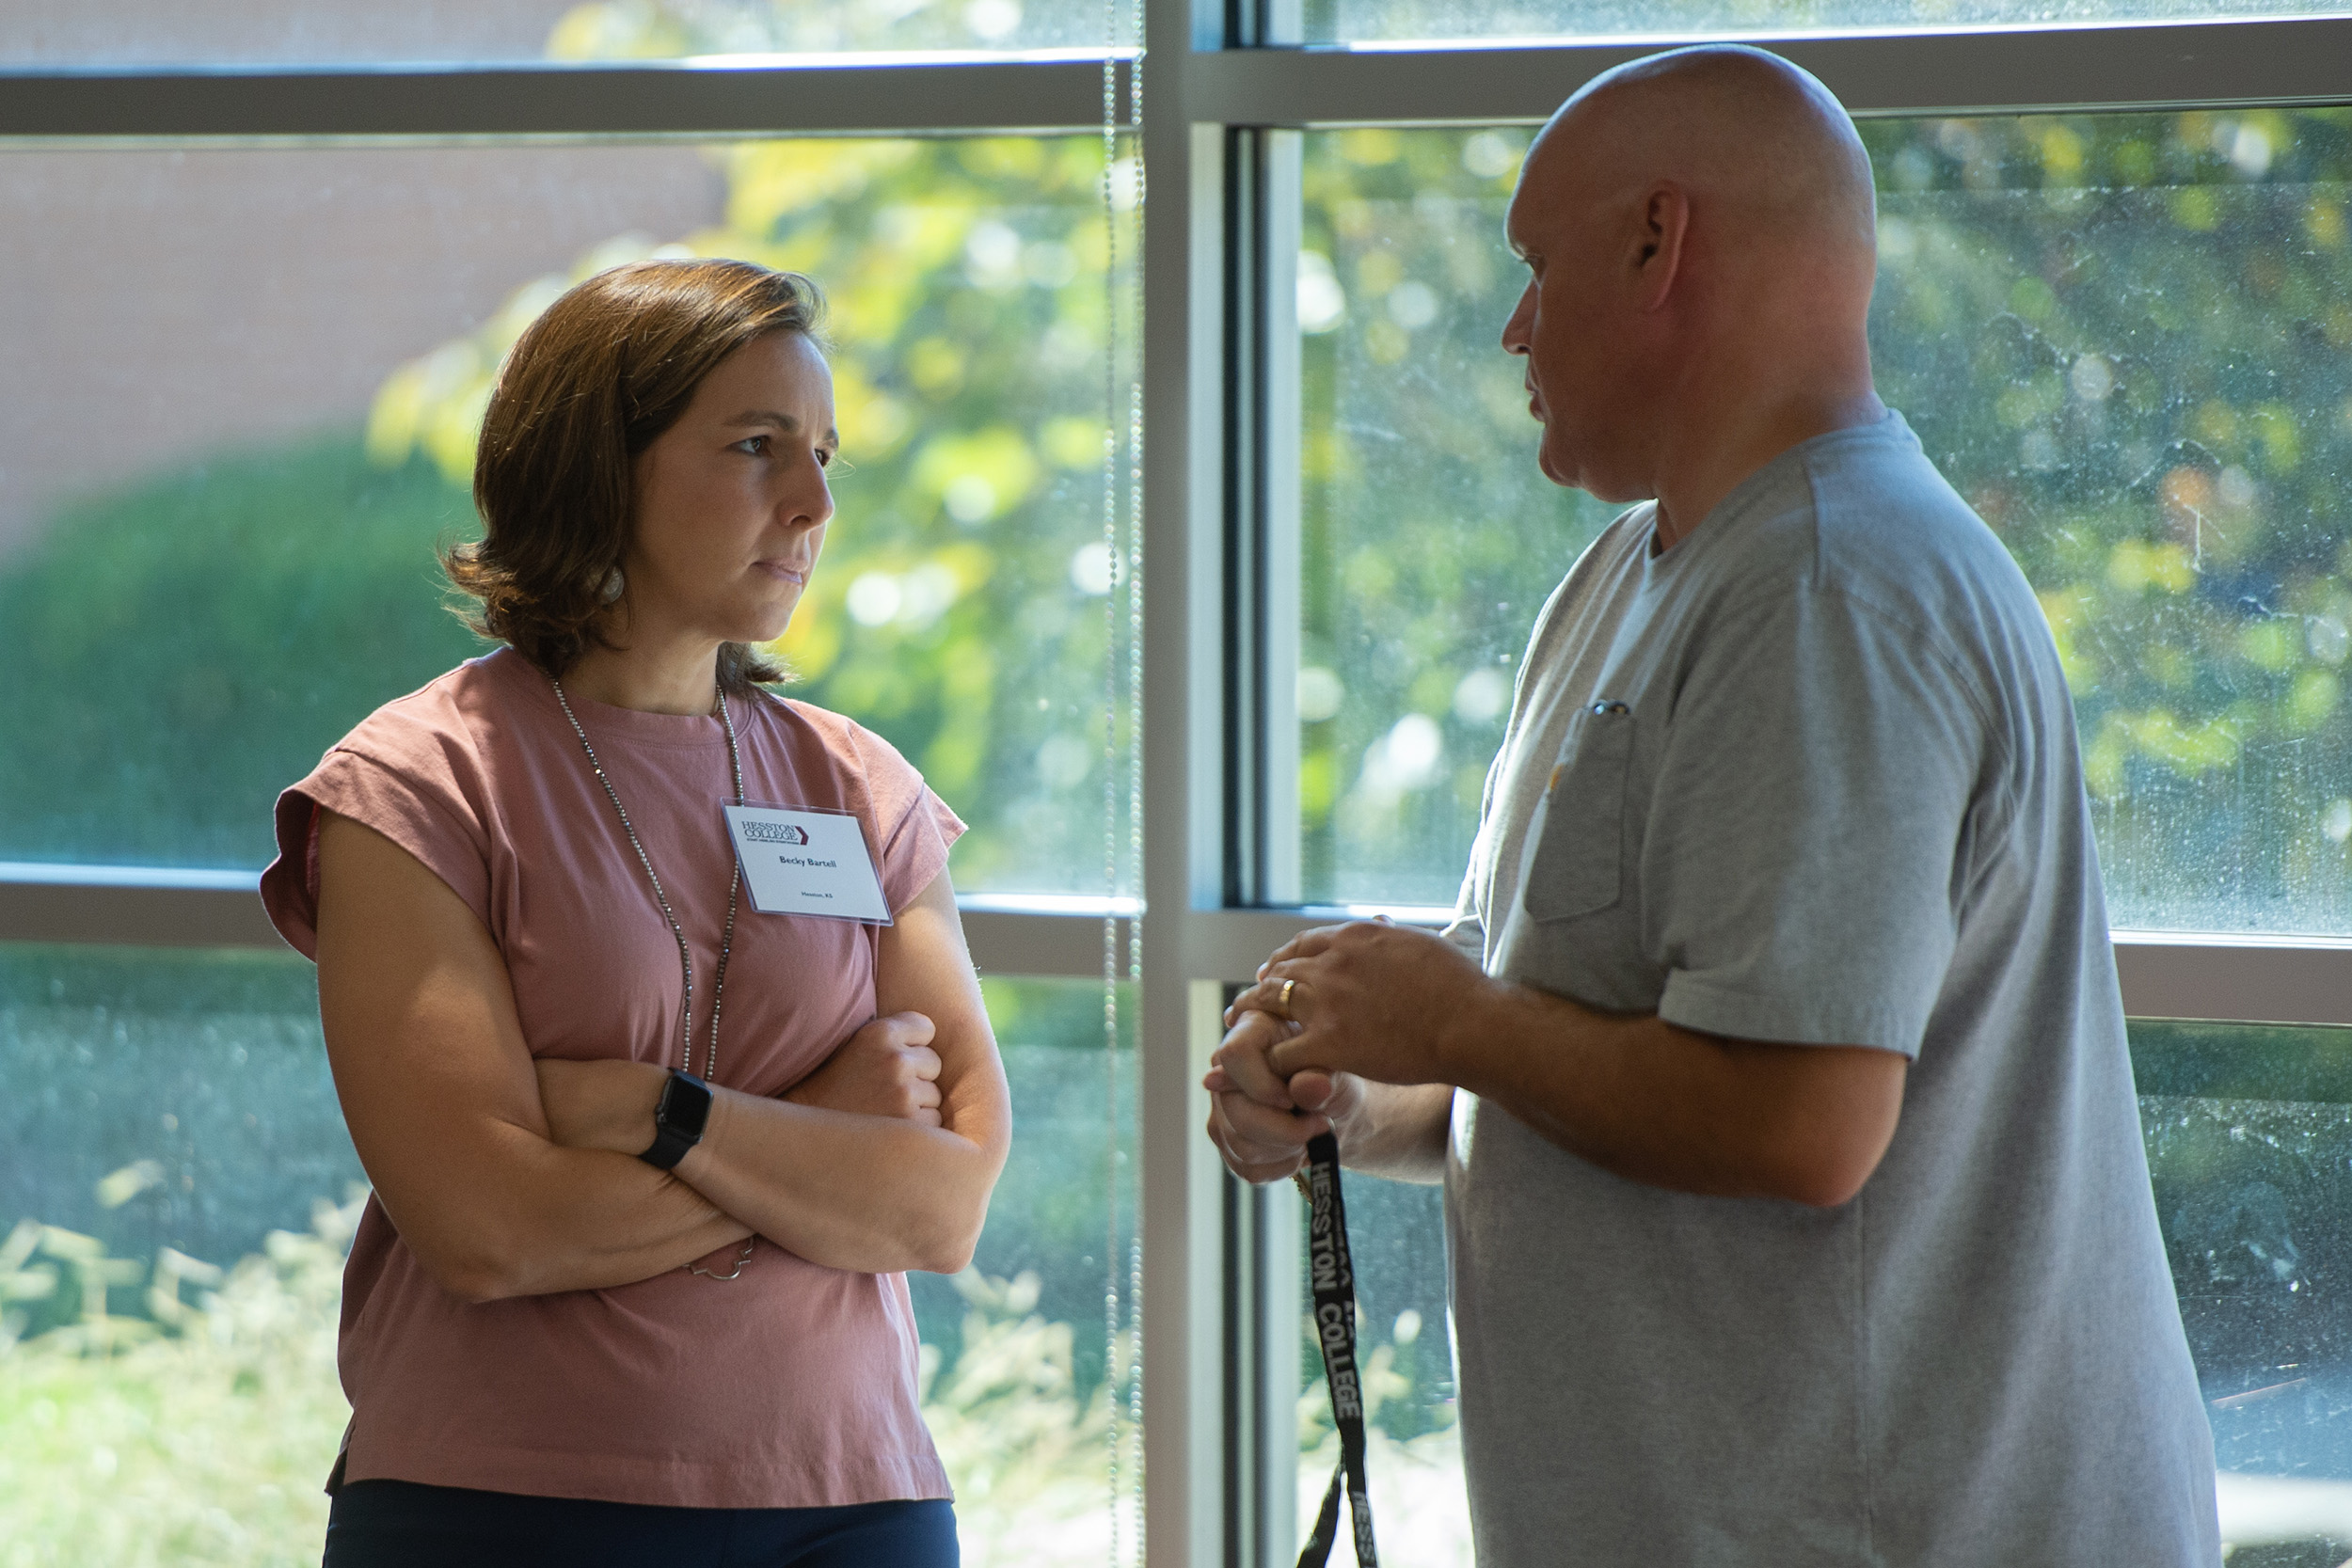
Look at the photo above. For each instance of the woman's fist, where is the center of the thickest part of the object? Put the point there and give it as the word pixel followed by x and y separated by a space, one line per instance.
pixel 887 1069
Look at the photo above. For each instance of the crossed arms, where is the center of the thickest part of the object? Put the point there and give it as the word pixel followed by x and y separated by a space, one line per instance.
pixel 508 1178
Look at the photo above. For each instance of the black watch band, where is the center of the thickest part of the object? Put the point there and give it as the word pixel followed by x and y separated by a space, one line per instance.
pixel 678 1120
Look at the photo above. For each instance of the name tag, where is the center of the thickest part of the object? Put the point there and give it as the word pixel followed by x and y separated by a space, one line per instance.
pixel 807 862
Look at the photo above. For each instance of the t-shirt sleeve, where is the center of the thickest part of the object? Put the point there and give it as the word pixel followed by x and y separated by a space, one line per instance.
pixel 1817 771
pixel 420 803
pixel 915 825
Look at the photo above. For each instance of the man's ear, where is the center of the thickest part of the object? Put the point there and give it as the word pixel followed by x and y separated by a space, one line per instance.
pixel 1662 225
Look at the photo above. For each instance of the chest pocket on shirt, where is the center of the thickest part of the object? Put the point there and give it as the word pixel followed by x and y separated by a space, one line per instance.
pixel 1577 863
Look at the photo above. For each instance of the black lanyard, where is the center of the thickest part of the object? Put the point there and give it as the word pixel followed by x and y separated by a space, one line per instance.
pixel 1334 1279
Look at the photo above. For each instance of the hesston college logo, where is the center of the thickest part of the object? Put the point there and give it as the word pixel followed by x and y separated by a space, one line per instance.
pixel 775 833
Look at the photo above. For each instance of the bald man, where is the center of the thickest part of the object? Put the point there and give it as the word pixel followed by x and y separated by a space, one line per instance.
pixel 1796 1205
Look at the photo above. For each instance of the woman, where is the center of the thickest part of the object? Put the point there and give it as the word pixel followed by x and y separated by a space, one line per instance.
pixel 649 1160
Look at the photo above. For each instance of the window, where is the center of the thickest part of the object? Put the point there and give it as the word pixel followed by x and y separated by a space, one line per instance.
pixel 2113 247
pixel 2123 337
pixel 255 465
pixel 2246 1131
pixel 181 1189
pixel 1414 420
pixel 262 494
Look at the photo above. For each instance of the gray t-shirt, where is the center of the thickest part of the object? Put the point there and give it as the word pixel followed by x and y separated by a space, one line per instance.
pixel 1811 777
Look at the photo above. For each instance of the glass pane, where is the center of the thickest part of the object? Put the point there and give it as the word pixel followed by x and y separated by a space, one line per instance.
pixel 1429 539
pixel 1352 21
pixel 1413 1452
pixel 176 1194
pixel 175 1202
pixel 2250 1143
pixel 170 32
pixel 2123 337
pixel 247 472
pixel 2145 318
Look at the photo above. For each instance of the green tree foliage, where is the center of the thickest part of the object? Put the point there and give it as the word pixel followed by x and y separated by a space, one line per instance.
pixel 199 1432
pixel 1429 539
pixel 2126 338
pixel 196 1433
pixel 179 652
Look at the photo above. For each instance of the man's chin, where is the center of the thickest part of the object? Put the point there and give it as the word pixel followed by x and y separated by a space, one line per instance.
pixel 1553 469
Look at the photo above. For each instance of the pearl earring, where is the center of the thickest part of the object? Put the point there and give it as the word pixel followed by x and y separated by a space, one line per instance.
pixel 610 590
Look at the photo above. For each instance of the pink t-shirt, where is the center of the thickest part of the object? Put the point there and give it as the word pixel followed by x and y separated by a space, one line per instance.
pixel 793 1386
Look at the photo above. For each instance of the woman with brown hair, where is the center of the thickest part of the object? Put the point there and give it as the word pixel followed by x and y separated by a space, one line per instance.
pixel 650 1157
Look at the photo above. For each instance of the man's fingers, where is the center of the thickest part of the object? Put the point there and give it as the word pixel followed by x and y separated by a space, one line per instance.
pixel 1306 944
pixel 1251 1166
pixel 1248 1074
pixel 1312 1089
pixel 1268 996
pixel 1249 1170
pixel 1258 1132
pixel 1304 1052
pixel 1242 1057
pixel 1266 1132
pixel 1259 1144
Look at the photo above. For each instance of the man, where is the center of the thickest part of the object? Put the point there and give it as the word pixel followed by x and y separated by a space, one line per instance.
pixel 1796 1205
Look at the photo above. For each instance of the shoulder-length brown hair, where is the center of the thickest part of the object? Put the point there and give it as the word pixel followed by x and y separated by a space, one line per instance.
pixel 589 386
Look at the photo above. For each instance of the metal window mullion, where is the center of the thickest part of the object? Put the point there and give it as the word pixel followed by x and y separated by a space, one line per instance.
pixel 632 99
pixel 2002 70
pixel 1260 604
pixel 1242 487
pixel 62 908
pixel 2190 975
pixel 2018 71
pixel 1183 763
pixel 2226 980
pixel 225 910
pixel 1279 435
pixel 2251 979
pixel 1262 489
pixel 1264 1269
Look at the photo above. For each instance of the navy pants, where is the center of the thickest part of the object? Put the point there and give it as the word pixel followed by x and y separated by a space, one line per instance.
pixel 398 1524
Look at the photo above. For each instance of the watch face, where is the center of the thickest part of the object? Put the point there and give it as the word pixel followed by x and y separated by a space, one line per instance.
pixel 685 1105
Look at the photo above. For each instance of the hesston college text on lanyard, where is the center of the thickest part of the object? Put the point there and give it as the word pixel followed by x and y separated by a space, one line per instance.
pixel 1333 1275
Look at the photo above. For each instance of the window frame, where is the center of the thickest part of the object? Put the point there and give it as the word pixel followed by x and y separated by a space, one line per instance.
pixel 1220 419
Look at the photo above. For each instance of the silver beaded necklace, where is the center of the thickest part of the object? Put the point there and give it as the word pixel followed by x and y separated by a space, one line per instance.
pixel 734 884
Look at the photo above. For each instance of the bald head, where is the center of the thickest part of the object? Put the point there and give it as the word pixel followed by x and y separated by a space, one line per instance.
pixel 1700 231
pixel 1761 146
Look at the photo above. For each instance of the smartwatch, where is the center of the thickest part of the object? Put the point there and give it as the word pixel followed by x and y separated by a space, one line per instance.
pixel 678 1120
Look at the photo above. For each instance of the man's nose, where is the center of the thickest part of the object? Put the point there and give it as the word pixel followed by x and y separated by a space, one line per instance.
pixel 1515 330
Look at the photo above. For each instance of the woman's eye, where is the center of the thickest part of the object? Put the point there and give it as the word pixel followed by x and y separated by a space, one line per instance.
pixel 752 446
pixel 824 458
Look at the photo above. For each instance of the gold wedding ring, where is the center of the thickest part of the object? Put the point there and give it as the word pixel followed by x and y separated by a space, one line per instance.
pixel 1282 1001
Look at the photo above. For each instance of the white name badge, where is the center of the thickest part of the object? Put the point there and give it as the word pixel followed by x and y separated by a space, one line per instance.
pixel 807 862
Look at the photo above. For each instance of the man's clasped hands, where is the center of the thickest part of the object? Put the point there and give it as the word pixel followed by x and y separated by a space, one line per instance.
pixel 1335 1015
